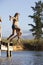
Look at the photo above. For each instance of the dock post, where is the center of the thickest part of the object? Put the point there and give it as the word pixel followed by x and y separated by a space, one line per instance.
pixel 10 54
pixel 0 35
pixel 8 51
pixel 0 48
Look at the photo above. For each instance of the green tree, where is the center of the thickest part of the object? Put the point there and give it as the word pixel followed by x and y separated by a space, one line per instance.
pixel 37 19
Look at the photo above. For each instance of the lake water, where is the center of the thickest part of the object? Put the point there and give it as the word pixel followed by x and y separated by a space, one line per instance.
pixel 22 58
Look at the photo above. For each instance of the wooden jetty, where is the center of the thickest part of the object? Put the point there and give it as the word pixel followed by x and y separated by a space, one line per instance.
pixel 2 47
pixel 6 47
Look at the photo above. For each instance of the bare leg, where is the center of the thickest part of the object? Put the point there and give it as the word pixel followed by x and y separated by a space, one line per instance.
pixel 18 40
pixel 19 34
pixel 11 35
pixel 15 36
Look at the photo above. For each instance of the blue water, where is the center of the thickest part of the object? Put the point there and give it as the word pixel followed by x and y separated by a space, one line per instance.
pixel 22 58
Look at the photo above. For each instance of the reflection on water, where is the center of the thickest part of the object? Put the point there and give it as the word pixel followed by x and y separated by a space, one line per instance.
pixel 22 58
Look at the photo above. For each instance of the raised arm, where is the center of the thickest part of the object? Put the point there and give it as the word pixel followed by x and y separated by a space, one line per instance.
pixel 11 18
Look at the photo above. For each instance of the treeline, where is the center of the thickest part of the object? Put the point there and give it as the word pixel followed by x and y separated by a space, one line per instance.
pixel 37 29
pixel 35 45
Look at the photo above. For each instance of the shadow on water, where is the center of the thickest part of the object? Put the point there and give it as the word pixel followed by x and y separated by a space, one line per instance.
pixel 22 58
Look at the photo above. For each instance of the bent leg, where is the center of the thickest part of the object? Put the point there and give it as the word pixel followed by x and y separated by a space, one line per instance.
pixel 19 35
pixel 11 35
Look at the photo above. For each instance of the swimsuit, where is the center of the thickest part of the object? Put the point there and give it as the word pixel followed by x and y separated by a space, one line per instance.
pixel 14 27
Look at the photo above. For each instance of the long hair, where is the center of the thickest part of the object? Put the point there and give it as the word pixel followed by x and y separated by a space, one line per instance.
pixel 16 14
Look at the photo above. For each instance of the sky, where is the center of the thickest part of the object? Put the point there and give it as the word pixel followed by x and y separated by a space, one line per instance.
pixel 10 7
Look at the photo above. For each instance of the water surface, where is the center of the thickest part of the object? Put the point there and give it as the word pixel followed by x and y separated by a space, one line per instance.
pixel 22 58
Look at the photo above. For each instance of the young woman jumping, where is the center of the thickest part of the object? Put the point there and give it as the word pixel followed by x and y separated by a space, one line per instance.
pixel 14 25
